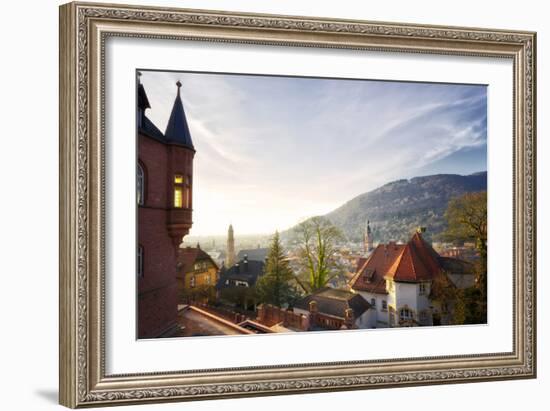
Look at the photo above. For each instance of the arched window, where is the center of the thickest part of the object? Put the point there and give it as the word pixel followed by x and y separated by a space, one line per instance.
pixel 140 189
pixel 139 262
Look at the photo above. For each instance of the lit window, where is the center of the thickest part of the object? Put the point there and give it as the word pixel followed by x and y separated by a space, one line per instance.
pixel 139 262
pixel 178 191
pixel 140 189
pixel 178 197
pixel 192 282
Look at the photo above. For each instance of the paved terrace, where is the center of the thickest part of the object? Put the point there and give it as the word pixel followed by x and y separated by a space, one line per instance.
pixel 197 322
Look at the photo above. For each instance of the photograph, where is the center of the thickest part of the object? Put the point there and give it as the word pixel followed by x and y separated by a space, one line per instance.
pixel 269 202
pixel 281 204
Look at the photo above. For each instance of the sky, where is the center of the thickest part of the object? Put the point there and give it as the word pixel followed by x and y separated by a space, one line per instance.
pixel 272 151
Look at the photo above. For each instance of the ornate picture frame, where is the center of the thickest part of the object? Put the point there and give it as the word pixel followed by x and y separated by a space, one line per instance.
pixel 84 29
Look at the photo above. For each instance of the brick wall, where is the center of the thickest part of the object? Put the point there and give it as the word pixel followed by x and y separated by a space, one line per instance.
pixel 157 288
pixel 269 315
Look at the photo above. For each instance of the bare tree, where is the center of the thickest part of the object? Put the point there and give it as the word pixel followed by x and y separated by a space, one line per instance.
pixel 317 239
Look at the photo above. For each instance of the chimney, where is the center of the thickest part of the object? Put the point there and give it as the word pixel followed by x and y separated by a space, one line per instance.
pixel 313 306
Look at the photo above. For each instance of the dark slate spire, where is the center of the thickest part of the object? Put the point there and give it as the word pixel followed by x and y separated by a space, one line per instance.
pixel 145 126
pixel 143 101
pixel 177 130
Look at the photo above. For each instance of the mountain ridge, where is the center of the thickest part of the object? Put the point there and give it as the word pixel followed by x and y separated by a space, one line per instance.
pixel 397 208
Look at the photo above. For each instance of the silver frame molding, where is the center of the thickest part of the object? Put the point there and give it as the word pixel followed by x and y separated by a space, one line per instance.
pixel 83 30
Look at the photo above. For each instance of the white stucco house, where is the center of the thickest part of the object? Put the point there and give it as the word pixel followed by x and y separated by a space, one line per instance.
pixel 399 280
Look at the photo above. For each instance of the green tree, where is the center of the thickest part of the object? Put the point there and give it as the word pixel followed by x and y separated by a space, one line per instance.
pixel 317 239
pixel 275 286
pixel 445 292
pixel 460 308
pixel 467 221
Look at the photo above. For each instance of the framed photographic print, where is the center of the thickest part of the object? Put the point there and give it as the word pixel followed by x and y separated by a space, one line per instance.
pixel 260 204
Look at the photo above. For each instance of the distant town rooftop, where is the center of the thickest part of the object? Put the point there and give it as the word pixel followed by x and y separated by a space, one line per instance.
pixel 335 302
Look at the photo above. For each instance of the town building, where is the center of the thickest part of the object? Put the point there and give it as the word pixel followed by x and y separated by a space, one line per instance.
pixel 218 256
pixel 325 309
pixel 335 309
pixel 244 273
pixel 403 283
pixel 195 270
pixel 230 247
pixel 235 284
pixel 164 212
pixel 253 254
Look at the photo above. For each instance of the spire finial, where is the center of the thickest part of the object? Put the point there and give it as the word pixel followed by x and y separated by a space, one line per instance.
pixel 178 83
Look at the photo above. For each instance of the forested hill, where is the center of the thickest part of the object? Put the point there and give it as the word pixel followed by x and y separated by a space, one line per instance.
pixel 397 208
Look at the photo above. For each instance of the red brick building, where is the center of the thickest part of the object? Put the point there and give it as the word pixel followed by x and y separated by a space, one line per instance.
pixel 165 202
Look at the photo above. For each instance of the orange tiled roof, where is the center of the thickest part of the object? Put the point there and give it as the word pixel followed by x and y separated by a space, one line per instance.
pixel 412 262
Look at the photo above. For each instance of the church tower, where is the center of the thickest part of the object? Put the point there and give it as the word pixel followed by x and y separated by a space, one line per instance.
pixel 367 241
pixel 230 247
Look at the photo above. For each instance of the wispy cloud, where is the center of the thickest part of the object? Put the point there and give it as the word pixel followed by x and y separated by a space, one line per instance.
pixel 272 150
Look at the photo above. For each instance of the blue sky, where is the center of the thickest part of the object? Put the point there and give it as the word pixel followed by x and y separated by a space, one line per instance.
pixel 272 151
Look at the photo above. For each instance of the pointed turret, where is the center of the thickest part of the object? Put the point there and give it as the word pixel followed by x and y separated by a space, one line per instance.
pixel 143 101
pixel 177 130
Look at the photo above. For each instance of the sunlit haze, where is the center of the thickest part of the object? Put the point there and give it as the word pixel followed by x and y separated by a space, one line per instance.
pixel 271 151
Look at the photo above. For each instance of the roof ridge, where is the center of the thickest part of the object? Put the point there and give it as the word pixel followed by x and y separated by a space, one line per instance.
pixel 412 261
pixel 397 262
pixel 428 258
